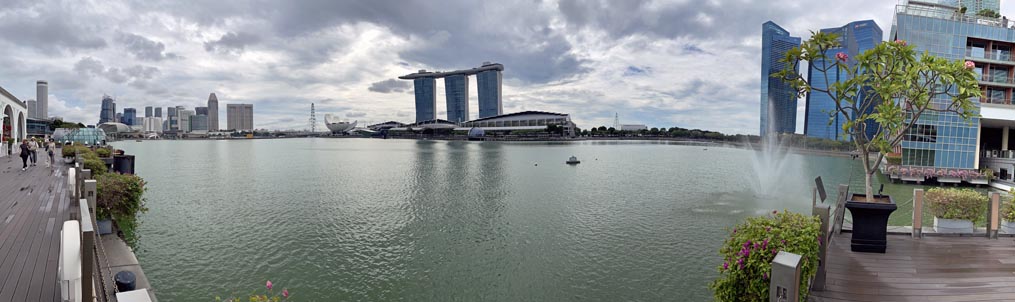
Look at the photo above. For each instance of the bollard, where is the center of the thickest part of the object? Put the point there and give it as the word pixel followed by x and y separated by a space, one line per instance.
pixel 87 251
pixel 89 193
pixel 821 211
pixel 993 215
pixel 917 213
pixel 71 182
pixel 785 282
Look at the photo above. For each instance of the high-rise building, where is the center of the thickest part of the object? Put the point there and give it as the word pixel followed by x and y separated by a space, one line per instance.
pixel 172 120
pixel 240 117
pixel 42 99
pixel 184 119
pixel 778 98
pixel 489 85
pixel 158 111
pixel 200 110
pixel 152 124
pixel 456 90
pixel 213 112
pixel 148 111
pixel 975 6
pixel 199 123
pixel 942 139
pixel 118 118
pixel 108 111
pixel 33 111
pixel 854 38
pixel 426 98
pixel 129 116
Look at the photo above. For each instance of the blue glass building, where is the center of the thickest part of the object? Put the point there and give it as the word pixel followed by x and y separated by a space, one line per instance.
pixel 489 85
pixel 855 38
pixel 129 116
pixel 778 98
pixel 456 90
pixel 426 98
pixel 108 111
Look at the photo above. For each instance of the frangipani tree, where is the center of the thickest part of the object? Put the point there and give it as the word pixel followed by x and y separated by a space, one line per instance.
pixel 888 88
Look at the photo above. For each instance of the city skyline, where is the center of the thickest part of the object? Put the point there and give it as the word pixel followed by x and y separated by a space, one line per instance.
pixel 677 64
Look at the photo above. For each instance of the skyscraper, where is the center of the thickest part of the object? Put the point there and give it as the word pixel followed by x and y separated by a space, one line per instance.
pixel 456 90
pixel 184 119
pixel 855 38
pixel 778 98
pixel 975 6
pixel 489 85
pixel 199 123
pixel 148 111
pixel 42 99
pixel 32 108
pixel 158 111
pixel 200 110
pixel 213 112
pixel 172 120
pixel 108 111
pixel 425 89
pixel 129 116
pixel 240 117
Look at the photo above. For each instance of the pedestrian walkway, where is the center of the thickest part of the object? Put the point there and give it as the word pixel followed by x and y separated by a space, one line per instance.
pixel 33 206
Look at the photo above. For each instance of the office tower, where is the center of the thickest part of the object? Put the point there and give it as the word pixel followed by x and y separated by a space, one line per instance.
pixel 426 98
pixel 184 117
pixel 153 124
pixel 172 119
pixel 148 111
pixel 118 118
pixel 855 38
pixel 213 112
pixel 158 111
pixel 456 90
pixel 199 123
pixel 489 85
pixel 42 99
pixel 108 112
pixel 201 110
pixel 778 98
pixel 129 115
pixel 240 117
pixel 32 109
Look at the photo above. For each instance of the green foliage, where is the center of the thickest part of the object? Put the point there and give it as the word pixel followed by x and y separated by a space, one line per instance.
pixel 894 159
pixel 121 197
pixel 748 254
pixel 68 151
pixel 1008 208
pixel 97 166
pixel 965 204
pixel 989 13
pixel 103 152
pixel 987 173
pixel 908 82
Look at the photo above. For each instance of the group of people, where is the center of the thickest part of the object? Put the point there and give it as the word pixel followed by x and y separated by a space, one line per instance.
pixel 30 151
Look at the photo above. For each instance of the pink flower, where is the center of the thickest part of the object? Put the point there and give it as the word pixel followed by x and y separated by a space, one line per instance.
pixel 285 292
pixel 900 42
pixel 268 285
pixel 970 65
pixel 841 56
pixel 725 265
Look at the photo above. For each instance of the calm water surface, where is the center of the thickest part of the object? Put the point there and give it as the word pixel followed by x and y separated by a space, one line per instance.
pixel 381 220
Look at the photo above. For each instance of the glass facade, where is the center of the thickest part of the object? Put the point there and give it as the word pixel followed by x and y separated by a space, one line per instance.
pixel 488 83
pixel 129 116
pixel 943 139
pixel 456 90
pixel 87 136
pixel 778 99
pixel 426 98
pixel 158 111
pixel 855 38
pixel 108 111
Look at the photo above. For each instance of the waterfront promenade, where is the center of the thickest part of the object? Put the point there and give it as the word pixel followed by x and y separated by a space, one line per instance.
pixel 933 268
pixel 33 206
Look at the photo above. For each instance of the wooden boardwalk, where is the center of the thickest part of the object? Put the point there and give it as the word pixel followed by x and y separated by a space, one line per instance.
pixel 33 206
pixel 929 269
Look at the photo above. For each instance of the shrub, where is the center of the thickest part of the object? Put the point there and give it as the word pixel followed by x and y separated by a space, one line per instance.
pixel 97 166
pixel 965 204
pixel 894 159
pixel 103 152
pixel 1008 209
pixel 120 197
pixel 68 151
pixel 748 254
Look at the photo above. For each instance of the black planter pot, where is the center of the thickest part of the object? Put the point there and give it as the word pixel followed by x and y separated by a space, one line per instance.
pixel 870 224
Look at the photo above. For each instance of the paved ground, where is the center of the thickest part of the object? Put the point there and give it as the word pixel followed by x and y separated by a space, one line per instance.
pixel 934 268
pixel 33 206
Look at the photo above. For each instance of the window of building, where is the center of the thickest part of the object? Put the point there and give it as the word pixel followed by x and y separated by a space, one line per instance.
pixel 976 49
pixel 922 133
pixel 1001 52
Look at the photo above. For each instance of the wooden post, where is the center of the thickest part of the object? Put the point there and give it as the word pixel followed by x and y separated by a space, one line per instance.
pixel 994 215
pixel 917 213
pixel 840 208
pixel 87 251
pixel 822 212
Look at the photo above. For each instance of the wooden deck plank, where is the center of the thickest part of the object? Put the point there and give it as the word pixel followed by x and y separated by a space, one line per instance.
pixel 927 269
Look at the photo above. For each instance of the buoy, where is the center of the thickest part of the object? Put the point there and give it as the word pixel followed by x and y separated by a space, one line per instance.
pixel 536 164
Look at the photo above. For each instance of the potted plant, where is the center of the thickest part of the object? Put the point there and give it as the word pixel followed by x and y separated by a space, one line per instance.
pixel 955 210
pixel 119 198
pixel 1008 215
pixel 886 91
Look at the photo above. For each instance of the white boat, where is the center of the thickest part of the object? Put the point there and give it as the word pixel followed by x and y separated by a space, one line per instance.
pixel 573 160
pixel 336 126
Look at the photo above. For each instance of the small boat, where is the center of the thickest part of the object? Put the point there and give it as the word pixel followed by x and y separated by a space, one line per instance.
pixel 573 160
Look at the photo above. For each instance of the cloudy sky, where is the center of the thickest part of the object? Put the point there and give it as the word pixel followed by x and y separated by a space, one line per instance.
pixel 687 63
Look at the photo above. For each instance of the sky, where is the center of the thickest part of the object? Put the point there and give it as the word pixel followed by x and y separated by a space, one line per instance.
pixel 684 63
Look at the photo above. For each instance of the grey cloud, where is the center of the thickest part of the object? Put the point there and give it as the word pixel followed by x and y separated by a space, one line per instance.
pixel 232 43
pixel 93 67
pixel 144 48
pixel 356 114
pixel 695 19
pixel 389 85
pixel 50 33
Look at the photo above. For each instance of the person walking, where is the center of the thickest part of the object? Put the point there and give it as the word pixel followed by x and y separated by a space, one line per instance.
pixel 34 147
pixel 24 154
pixel 51 149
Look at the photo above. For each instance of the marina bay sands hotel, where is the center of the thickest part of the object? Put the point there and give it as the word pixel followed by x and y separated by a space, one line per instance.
pixel 456 89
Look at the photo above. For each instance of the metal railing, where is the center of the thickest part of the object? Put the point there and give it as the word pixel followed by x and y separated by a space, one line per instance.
pixel 949 14
pixel 1004 79
pixel 989 100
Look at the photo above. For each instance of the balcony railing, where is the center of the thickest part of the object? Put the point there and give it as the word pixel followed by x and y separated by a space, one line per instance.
pixel 1004 79
pixel 989 55
pixel 990 100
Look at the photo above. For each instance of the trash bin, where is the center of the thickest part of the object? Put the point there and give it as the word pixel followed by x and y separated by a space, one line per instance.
pixel 123 164
pixel 125 281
